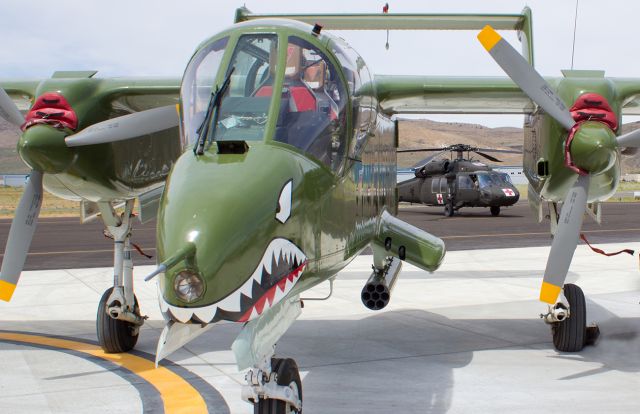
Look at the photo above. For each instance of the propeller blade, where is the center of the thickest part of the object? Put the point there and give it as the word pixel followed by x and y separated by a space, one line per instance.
pixel 20 235
pixel 565 241
pixel 126 127
pixel 629 140
pixel 525 76
pixel 487 156
pixel 9 111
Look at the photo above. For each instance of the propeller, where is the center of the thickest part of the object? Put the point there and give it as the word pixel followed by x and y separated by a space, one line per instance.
pixel 538 90
pixel 9 111
pixel 126 127
pixel 22 229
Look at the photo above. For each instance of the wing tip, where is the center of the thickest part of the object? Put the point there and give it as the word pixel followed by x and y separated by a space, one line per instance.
pixel 489 37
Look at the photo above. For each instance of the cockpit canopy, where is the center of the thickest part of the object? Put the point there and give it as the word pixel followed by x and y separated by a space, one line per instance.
pixel 284 87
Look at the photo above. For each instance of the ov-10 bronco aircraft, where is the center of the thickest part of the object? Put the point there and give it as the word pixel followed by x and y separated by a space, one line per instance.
pixel 286 172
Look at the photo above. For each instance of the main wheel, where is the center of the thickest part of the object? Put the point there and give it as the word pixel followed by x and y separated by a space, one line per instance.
pixel 114 335
pixel 495 210
pixel 570 335
pixel 287 374
pixel 448 210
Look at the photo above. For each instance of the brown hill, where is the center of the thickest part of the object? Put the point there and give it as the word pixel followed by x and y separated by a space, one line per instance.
pixel 425 133
pixel 10 162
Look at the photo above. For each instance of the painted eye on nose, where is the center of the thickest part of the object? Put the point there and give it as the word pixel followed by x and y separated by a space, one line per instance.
pixel 283 210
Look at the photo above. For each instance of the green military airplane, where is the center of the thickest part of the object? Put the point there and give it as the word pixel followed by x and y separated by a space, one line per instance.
pixel 287 172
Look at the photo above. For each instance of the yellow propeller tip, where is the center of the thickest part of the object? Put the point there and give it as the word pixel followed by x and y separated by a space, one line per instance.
pixel 549 293
pixel 6 290
pixel 489 37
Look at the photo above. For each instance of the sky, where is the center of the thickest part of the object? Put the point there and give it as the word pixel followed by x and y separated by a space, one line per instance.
pixel 157 37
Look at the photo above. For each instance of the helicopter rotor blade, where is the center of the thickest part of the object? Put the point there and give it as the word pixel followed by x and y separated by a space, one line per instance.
pixel 22 229
pixel 525 76
pixel 9 111
pixel 565 240
pixel 423 150
pixel 487 156
pixel 126 127
pixel 498 150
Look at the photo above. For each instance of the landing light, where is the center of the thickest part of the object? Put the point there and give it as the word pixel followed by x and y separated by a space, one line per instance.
pixel 189 286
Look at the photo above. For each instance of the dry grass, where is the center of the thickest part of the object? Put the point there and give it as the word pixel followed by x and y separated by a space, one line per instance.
pixel 52 206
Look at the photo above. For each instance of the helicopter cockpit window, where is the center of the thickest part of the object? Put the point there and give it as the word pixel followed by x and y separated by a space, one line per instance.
pixel 494 179
pixel 197 83
pixel 312 113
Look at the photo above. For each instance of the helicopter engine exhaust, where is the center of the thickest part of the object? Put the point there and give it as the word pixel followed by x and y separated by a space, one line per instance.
pixel 376 293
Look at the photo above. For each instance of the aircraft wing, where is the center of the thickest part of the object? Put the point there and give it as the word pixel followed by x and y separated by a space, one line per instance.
pixel 120 96
pixel 629 89
pixel 450 95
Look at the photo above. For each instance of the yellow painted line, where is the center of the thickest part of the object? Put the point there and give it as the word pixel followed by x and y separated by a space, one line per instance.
pixel 6 290
pixel 78 252
pixel 549 293
pixel 534 234
pixel 178 396
pixel 489 37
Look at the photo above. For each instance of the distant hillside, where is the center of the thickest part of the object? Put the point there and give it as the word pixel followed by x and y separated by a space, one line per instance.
pixel 10 162
pixel 424 133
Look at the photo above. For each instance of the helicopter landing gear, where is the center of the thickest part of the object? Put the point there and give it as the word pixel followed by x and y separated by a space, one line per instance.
pixel 448 210
pixel 495 210
pixel 569 323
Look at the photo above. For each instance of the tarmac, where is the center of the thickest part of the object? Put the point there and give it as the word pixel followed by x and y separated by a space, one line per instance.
pixel 465 339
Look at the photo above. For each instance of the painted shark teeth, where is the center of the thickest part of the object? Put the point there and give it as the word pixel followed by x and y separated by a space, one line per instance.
pixel 279 254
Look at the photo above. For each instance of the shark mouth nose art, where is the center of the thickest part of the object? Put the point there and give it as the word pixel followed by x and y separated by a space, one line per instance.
pixel 276 274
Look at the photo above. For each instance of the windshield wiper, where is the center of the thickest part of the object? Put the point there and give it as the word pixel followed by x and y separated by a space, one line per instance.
pixel 211 117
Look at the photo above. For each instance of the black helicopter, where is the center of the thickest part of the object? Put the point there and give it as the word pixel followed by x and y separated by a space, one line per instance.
pixel 459 182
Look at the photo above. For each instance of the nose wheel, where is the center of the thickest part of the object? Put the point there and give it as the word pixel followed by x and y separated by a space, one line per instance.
pixel 278 392
pixel 495 210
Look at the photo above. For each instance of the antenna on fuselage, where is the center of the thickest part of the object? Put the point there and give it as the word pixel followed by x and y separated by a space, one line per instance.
pixel 385 10
pixel 575 25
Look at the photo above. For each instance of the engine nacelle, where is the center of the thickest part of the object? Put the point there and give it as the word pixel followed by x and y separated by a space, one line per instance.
pixel 376 293
pixel 433 167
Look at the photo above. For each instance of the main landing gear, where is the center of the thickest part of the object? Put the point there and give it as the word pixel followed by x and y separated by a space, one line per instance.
pixel 495 210
pixel 448 209
pixel 568 320
pixel 118 320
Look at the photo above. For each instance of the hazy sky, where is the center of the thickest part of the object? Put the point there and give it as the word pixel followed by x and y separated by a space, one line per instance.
pixel 157 37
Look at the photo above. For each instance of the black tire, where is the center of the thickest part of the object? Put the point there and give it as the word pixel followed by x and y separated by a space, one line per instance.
pixel 495 210
pixel 114 336
pixel 448 210
pixel 287 374
pixel 570 335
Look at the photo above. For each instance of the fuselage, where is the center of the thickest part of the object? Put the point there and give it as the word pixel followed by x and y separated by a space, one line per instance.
pixel 273 206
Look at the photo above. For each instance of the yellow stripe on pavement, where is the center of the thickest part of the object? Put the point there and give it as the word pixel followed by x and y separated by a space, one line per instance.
pixel 178 396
